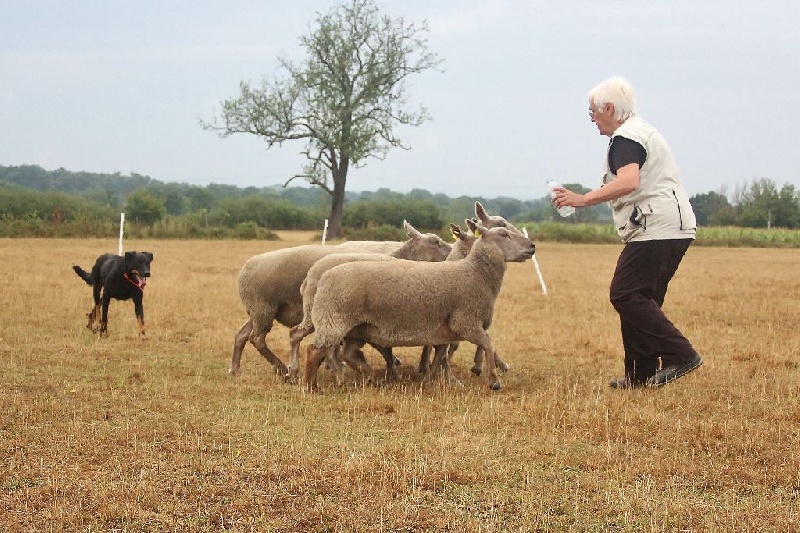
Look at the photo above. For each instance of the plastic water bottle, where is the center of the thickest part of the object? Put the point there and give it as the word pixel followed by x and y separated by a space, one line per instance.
pixel 565 210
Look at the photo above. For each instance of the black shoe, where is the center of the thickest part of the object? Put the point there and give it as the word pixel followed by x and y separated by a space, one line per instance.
pixel 625 383
pixel 671 373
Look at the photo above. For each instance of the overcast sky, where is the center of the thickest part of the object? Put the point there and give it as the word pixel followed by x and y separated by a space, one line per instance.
pixel 122 86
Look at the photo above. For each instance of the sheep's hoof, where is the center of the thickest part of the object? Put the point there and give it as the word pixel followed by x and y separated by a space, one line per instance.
pixel 233 371
pixel 495 385
pixel 290 377
pixel 476 370
pixel 503 366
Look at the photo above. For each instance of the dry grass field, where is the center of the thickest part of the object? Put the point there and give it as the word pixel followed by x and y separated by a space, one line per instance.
pixel 125 434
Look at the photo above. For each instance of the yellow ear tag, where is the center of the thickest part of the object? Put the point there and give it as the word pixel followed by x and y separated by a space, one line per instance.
pixel 477 232
pixel 453 233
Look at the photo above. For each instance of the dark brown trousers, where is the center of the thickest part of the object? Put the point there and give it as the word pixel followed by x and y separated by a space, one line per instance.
pixel 644 269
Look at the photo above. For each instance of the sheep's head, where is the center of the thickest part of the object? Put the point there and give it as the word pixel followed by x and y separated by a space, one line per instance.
pixel 514 245
pixel 463 244
pixel 425 246
pixel 493 221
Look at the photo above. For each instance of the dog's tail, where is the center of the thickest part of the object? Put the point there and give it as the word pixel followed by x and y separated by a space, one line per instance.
pixel 85 276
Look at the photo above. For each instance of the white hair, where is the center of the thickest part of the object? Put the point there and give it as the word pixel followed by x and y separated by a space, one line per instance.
pixel 617 91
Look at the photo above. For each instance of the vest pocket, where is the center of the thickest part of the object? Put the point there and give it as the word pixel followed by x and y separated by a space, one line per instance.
pixel 636 223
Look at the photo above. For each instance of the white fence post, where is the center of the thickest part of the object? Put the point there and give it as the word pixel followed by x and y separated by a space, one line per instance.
pixel 536 264
pixel 121 226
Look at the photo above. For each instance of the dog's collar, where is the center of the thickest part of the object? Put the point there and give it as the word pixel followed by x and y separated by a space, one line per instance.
pixel 140 287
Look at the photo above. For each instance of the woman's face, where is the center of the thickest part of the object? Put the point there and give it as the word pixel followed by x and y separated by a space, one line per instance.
pixel 603 118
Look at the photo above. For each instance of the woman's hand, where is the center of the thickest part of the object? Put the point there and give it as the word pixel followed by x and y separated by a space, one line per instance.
pixel 562 197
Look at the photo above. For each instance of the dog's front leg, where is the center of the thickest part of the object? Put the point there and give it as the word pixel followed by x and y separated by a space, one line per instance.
pixel 138 309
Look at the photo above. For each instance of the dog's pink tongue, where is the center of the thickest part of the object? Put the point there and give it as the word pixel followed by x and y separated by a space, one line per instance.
pixel 141 282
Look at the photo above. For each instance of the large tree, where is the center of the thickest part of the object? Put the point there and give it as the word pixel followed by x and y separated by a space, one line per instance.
pixel 343 100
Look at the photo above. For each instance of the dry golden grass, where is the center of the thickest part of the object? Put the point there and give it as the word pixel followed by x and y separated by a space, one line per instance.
pixel 123 434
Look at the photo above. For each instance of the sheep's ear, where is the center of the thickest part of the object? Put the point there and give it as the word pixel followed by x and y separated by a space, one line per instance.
pixel 471 224
pixel 479 230
pixel 456 231
pixel 411 231
pixel 480 212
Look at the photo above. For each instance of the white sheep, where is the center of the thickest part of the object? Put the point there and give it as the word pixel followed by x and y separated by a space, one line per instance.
pixel 356 359
pixel 488 221
pixel 309 289
pixel 378 247
pixel 407 303
pixel 460 250
pixel 462 246
pixel 269 287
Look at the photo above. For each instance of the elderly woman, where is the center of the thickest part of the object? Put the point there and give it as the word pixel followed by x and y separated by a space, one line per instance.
pixel 653 217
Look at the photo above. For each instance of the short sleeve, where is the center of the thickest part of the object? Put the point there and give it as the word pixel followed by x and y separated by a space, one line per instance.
pixel 624 151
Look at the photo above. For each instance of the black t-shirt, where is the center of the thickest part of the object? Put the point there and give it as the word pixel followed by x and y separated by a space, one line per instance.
pixel 623 151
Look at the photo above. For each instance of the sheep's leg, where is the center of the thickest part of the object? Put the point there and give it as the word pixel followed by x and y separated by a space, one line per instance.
pixel 424 359
pixel 477 366
pixel 441 365
pixel 436 366
pixel 239 340
pixel 391 363
pixel 314 357
pixel 354 357
pixel 296 335
pixel 258 340
pixel 335 364
pixel 502 365
pixel 477 361
pixel 485 342
pixel 451 349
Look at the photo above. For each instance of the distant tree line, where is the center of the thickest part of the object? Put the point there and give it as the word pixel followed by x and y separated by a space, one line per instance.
pixel 81 203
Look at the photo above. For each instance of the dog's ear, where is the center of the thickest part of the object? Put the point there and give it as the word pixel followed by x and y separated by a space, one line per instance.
pixel 149 255
pixel 129 255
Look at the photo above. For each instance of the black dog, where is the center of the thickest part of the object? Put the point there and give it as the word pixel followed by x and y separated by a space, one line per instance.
pixel 119 277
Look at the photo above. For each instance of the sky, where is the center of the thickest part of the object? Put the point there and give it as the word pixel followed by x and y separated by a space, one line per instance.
pixel 109 87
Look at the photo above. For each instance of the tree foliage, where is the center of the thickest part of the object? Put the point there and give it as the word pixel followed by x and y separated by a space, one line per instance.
pixel 763 205
pixel 43 207
pixel 424 213
pixel 144 207
pixel 705 205
pixel 343 101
